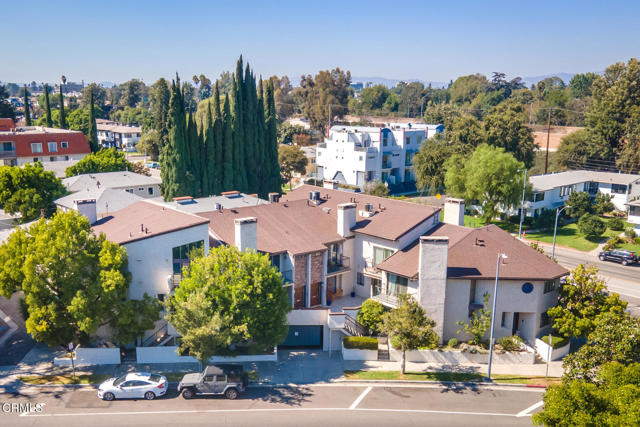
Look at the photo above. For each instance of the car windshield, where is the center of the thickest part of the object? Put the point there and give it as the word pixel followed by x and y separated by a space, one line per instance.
pixel 155 378
pixel 120 380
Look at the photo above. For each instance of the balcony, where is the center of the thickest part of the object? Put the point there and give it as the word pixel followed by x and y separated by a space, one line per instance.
pixel 370 269
pixel 7 154
pixel 287 275
pixel 387 300
pixel 174 281
pixel 339 265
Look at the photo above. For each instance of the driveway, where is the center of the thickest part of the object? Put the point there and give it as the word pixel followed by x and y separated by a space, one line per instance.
pixel 16 346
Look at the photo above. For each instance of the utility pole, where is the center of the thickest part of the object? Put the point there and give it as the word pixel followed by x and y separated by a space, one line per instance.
pixel 546 156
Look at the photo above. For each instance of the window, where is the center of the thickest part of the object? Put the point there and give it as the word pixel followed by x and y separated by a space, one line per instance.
pixel 376 287
pixel 181 255
pixel 209 378
pixel 221 378
pixel 360 279
pixel 52 146
pixel 544 320
pixel 64 144
pixel 35 159
pixel 275 261
pixel 618 189
pixel 384 139
pixel 7 146
pixel 503 322
pixel 407 141
pixel 380 254
pixel 150 191
pixel 52 159
pixel 66 157
pixel 140 188
pixel 566 190
pixel 549 286
pixel 129 190
pixel 161 297
pixel 537 197
pixel 397 285
pixel 360 158
pixel 36 147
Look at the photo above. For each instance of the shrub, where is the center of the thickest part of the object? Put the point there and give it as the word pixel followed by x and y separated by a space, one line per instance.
pixel 452 342
pixel 603 203
pixel 511 343
pixel 591 226
pixel 630 233
pixel 370 315
pixel 360 343
pixel 613 242
pixel 556 341
pixel 615 224
pixel 545 219
pixel 580 203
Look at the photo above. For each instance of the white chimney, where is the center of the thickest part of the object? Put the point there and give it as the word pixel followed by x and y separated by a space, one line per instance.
pixel 87 208
pixel 346 219
pixel 332 185
pixel 246 233
pixel 432 278
pixel 454 211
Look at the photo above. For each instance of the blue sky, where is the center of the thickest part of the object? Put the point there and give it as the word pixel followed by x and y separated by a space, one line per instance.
pixel 428 40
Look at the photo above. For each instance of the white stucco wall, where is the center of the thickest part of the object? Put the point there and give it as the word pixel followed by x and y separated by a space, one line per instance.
pixel 151 260
pixel 44 158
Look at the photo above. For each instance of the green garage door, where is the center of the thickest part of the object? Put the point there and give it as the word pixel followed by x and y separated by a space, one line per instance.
pixel 303 336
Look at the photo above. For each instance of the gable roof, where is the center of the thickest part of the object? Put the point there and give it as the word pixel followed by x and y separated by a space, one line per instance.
pixel 107 199
pixel 473 253
pixel 297 227
pixel 208 204
pixel 119 179
pixel 142 220
pixel 393 218
pixel 559 179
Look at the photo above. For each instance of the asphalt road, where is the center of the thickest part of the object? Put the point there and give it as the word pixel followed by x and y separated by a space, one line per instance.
pixel 319 405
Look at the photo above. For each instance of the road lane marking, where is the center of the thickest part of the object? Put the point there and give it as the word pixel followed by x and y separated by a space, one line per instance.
pixel 209 411
pixel 359 399
pixel 527 412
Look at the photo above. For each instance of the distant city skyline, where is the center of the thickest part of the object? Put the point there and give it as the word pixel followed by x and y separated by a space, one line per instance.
pixel 429 41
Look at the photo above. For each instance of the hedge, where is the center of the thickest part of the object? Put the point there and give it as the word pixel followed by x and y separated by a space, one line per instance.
pixel 556 342
pixel 360 343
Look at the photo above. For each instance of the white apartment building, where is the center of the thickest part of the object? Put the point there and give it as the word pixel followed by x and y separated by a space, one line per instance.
pixel 356 155
pixel 552 190
pixel 634 215
pixel 134 183
pixel 112 134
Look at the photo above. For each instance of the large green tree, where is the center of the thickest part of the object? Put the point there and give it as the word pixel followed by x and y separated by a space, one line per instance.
pixel 505 126
pixel 6 109
pixel 105 160
pixel 581 300
pixel 72 280
pixel 409 327
pixel 29 190
pixel 490 176
pixel 292 160
pixel 227 301
pixel 325 96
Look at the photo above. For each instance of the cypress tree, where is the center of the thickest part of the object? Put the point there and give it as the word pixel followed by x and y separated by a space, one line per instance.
pixel 218 144
pixel 27 112
pixel 208 153
pixel 195 151
pixel 63 119
pixel 271 139
pixel 93 128
pixel 175 179
pixel 229 179
pixel 261 166
pixel 47 107
pixel 249 104
pixel 240 181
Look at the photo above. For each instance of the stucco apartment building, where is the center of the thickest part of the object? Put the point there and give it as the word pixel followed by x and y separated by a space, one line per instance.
pixel 552 190
pixel 112 134
pixel 335 249
pixel 134 183
pixel 28 144
pixel 357 155
pixel 634 215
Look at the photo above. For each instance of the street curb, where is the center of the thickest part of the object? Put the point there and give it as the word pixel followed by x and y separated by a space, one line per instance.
pixel 451 383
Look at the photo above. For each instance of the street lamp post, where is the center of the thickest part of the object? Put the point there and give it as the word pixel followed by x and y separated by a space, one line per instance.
pixel 493 312
pixel 555 230
pixel 524 189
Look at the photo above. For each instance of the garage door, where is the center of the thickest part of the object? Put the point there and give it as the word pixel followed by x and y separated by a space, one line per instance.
pixel 303 336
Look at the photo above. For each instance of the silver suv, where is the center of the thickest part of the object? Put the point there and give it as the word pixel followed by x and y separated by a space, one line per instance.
pixel 227 380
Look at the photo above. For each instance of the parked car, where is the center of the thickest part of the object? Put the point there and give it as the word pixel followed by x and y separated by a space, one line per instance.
pixel 152 165
pixel 227 380
pixel 134 385
pixel 619 255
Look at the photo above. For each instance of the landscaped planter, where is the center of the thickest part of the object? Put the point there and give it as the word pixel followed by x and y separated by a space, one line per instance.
pixel 91 356
pixel 358 354
pixel 169 354
pixel 556 353
pixel 457 357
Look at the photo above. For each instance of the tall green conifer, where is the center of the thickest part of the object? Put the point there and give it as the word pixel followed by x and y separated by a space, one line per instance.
pixel 228 151
pixel 239 167
pixel 218 143
pixel 63 118
pixel 27 110
pixel 92 133
pixel 47 107
pixel 271 139
pixel 262 168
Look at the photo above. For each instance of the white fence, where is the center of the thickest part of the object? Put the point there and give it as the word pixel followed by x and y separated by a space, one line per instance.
pixel 169 354
pixel 454 357
pixel 91 356
pixel 544 349
pixel 358 354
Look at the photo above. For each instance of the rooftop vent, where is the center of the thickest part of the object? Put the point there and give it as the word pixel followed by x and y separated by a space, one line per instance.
pixel 231 194
pixel 184 200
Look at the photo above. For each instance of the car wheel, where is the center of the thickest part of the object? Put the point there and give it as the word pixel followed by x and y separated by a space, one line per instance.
pixel 601 257
pixel 187 393
pixel 231 393
pixel 625 262
pixel 108 397
pixel 149 395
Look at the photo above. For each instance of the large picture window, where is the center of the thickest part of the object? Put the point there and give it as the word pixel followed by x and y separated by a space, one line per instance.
pixel 380 254
pixel 181 255
pixel 618 189
pixel 397 285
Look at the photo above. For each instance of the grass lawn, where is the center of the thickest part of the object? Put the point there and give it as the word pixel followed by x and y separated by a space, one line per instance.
pixel 472 222
pixel 448 376
pixel 64 379
pixel 569 236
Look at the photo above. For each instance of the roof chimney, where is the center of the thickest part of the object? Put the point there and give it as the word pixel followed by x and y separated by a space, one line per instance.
pixel 327 183
pixel 432 278
pixel 246 230
pixel 454 211
pixel 274 197
pixel 346 219
pixel 87 208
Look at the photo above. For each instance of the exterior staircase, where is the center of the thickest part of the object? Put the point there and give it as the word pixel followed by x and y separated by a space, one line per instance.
pixel 354 328
pixel 383 348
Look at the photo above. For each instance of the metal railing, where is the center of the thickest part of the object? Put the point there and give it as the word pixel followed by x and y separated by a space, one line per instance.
pixel 7 153
pixel 354 327
pixel 156 337
pixel 340 264
pixel 174 281
pixel 389 300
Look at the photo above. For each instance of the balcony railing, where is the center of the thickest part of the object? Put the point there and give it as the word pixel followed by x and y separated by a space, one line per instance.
pixel 287 275
pixel 338 265
pixel 7 153
pixel 369 267
pixel 388 300
pixel 174 281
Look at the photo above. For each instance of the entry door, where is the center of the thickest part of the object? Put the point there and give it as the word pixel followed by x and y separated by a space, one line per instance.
pixel 516 321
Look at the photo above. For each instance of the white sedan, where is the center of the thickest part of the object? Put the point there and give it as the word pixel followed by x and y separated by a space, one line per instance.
pixel 134 385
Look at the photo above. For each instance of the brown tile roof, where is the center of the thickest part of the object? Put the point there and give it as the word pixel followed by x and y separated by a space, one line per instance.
pixel 297 227
pixel 125 225
pixel 393 218
pixel 473 253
